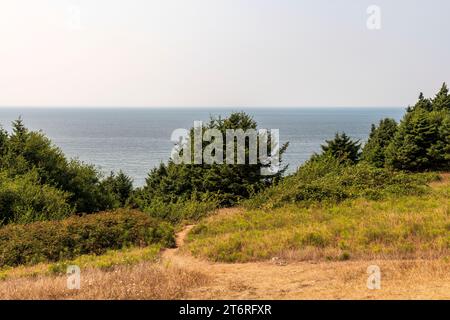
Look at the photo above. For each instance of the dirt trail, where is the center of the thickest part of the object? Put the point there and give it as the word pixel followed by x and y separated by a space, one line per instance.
pixel 179 242
pixel 311 280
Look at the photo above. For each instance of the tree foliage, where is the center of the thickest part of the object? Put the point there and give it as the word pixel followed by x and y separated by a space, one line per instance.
pixel 24 199
pixel 120 186
pixel 374 151
pixel 227 183
pixel 421 142
pixel 35 173
pixel 342 148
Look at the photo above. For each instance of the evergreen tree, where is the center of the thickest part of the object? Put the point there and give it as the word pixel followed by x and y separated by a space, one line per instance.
pixel 444 145
pixel 3 144
pixel 442 99
pixel 414 145
pixel 228 182
pixel 422 103
pixel 342 147
pixel 120 185
pixel 440 148
pixel 374 151
pixel 421 142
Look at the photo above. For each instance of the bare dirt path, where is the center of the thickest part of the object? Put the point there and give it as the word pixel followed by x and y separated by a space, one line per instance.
pixel 310 280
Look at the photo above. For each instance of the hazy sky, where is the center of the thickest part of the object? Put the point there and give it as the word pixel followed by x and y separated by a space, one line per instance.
pixel 221 52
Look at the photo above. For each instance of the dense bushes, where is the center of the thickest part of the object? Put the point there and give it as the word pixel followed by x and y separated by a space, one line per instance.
pixel 328 179
pixel 23 199
pixel 91 234
pixel 37 182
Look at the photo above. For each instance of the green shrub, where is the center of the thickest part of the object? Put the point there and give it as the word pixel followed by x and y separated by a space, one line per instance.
pixel 328 179
pixel 175 212
pixel 25 151
pixel 91 234
pixel 23 199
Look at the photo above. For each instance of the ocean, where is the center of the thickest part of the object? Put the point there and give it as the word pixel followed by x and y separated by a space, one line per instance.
pixel 138 139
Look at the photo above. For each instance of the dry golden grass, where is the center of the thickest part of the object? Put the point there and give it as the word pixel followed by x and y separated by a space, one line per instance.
pixel 413 279
pixel 112 258
pixel 142 281
pixel 188 278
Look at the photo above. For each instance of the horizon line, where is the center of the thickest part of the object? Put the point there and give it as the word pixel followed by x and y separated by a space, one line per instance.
pixel 200 107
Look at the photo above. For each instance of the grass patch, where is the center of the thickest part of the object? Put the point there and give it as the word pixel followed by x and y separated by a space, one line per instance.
pixel 182 210
pixel 106 261
pixel 411 226
pixel 146 280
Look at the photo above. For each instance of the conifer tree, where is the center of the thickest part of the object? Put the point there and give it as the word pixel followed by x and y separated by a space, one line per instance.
pixel 442 99
pixel 342 147
pixel 3 142
pixel 230 182
pixel 120 186
pixel 374 151
pixel 421 142
pixel 422 103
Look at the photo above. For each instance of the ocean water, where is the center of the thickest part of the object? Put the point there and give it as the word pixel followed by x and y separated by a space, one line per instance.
pixel 136 140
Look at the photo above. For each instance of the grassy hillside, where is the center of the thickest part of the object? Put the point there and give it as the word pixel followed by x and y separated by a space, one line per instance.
pixel 407 226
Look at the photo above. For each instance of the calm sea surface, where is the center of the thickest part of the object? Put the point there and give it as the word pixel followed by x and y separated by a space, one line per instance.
pixel 136 140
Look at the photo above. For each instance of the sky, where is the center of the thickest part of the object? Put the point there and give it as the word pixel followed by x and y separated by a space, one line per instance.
pixel 221 53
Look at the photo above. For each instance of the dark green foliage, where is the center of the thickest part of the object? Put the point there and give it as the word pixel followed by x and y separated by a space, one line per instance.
pixel 342 147
pixel 120 186
pixel 421 142
pixel 423 103
pixel 443 144
pixel 3 144
pixel 227 183
pixel 442 99
pixel 27 151
pixel 410 148
pixel 88 193
pixel 374 151
pixel 51 241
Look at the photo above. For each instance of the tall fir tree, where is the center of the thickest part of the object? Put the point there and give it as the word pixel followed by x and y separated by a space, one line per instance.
pixel 229 182
pixel 442 99
pixel 374 151
pixel 423 103
pixel 421 142
pixel 342 147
